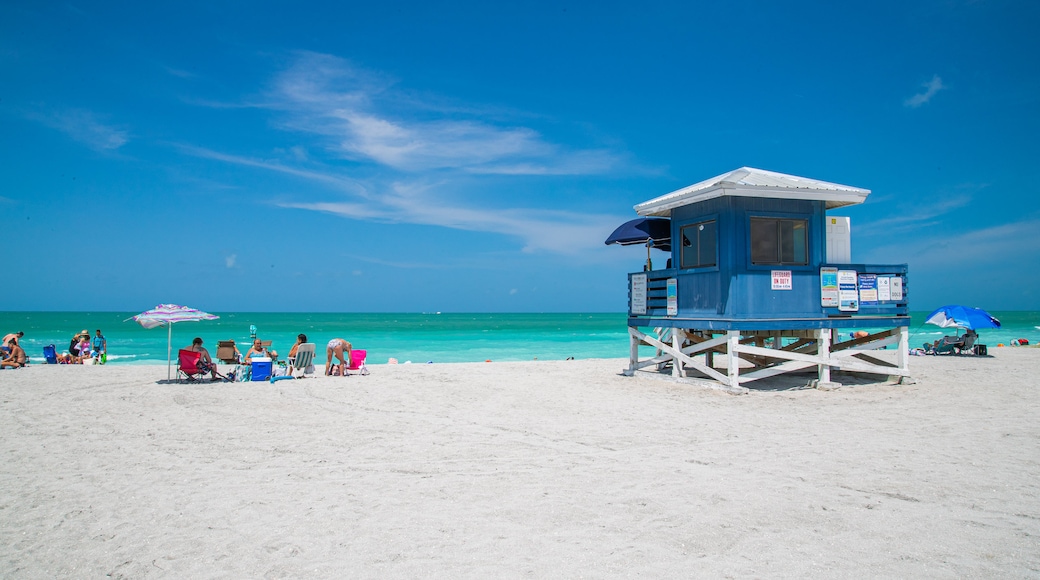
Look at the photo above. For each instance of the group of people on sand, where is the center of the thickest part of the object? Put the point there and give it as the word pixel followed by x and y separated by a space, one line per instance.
pixel 13 354
pixel 83 348
pixel 335 349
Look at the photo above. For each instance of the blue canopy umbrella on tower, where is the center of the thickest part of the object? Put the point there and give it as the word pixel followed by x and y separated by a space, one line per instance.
pixel 653 231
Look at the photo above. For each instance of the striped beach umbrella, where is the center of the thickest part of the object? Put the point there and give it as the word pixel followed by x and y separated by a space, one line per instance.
pixel 170 314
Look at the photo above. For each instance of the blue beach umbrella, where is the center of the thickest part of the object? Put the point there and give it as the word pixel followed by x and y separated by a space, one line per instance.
pixel 954 315
pixel 652 231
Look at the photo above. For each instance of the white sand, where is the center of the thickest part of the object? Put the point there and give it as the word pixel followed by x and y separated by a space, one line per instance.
pixel 539 469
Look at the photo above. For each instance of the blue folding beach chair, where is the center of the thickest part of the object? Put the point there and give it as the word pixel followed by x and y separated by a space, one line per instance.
pixel 50 354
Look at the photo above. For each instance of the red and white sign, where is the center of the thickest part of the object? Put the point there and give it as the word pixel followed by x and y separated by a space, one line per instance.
pixel 782 280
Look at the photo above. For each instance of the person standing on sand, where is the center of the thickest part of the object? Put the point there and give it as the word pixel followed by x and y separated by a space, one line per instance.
pixel 99 346
pixel 7 339
pixel 335 348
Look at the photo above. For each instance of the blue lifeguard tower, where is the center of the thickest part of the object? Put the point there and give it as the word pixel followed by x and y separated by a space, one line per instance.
pixel 759 274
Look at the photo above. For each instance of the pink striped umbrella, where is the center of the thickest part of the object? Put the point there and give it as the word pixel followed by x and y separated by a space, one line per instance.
pixel 169 314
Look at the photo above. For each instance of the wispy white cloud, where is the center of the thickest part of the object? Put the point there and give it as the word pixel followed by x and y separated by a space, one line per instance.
pixel 930 89
pixel 362 116
pixel 540 230
pixel 916 216
pixel 416 158
pixel 84 127
pixel 426 204
pixel 327 177
pixel 229 261
pixel 959 248
pixel 179 73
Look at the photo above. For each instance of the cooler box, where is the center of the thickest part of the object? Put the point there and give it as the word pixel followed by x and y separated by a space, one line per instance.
pixel 261 370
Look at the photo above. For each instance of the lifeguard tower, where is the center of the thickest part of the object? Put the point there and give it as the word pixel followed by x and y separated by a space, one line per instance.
pixel 759 275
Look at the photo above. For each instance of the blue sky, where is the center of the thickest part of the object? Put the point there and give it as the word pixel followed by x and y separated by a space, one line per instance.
pixel 472 156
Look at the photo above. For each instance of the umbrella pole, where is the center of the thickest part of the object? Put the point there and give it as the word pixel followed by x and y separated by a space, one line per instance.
pixel 649 264
pixel 169 346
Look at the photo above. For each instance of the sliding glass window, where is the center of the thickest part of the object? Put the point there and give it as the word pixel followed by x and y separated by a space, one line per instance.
pixel 699 245
pixel 779 241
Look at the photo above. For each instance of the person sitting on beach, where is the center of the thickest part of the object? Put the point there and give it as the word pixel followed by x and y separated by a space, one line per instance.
pixel 74 349
pixel 335 348
pixel 84 347
pixel 300 339
pixel 205 363
pixel 78 354
pixel 258 350
pixel 8 338
pixel 16 357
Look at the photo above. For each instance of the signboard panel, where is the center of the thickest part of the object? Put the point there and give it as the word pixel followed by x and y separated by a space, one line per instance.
pixel 781 280
pixel 884 288
pixel 638 295
pixel 848 292
pixel 673 297
pixel 868 294
pixel 897 288
pixel 829 287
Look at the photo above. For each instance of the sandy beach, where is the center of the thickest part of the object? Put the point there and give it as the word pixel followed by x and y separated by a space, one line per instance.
pixel 520 470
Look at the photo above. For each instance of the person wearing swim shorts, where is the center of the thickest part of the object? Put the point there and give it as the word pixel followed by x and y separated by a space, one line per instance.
pixel 335 348
pixel 16 358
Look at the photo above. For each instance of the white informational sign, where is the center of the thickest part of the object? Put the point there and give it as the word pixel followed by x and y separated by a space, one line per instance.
pixel 829 287
pixel 868 289
pixel 897 287
pixel 884 289
pixel 638 295
pixel 782 280
pixel 673 297
pixel 848 291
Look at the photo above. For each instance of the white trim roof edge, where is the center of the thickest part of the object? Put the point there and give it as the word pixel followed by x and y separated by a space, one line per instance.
pixel 761 184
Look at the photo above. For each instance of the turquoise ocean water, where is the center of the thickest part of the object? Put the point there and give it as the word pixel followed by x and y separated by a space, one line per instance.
pixel 418 338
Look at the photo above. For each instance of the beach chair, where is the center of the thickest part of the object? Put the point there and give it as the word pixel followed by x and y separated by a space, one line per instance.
pixel 357 362
pixel 303 362
pixel 948 345
pixel 50 354
pixel 188 366
pixel 226 352
pixel 967 343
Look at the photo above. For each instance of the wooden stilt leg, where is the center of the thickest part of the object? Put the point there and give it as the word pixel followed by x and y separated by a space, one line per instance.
pixel 824 338
pixel 677 365
pixel 633 352
pixel 903 357
pixel 733 369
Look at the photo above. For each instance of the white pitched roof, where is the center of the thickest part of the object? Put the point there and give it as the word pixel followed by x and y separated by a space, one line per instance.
pixel 751 182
